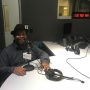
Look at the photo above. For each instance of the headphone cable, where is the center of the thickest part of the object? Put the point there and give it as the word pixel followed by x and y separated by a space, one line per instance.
pixel 78 58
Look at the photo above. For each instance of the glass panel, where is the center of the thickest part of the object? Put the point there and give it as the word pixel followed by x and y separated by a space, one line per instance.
pixel 82 6
pixel 64 9
pixel 81 9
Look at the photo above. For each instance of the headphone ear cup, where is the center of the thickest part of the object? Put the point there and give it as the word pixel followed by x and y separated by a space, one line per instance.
pixel 54 74
pixel 58 75
pixel 49 74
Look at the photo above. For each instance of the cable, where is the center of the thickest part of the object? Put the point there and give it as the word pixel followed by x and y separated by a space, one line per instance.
pixel 39 69
pixel 78 58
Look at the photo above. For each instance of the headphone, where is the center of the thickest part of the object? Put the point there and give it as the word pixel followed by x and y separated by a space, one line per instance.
pixel 54 74
pixel 74 48
pixel 57 75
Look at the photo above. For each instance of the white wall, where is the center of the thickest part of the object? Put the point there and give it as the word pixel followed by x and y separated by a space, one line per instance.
pixel 12 18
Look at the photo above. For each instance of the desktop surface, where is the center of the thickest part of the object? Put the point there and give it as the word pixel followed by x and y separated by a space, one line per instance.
pixel 36 81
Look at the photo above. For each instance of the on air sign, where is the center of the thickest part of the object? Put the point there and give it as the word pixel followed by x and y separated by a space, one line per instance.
pixel 81 15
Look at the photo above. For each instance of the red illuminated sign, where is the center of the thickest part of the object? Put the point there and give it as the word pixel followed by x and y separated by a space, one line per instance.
pixel 81 15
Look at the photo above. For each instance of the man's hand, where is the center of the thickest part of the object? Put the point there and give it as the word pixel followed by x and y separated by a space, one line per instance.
pixel 19 71
pixel 45 66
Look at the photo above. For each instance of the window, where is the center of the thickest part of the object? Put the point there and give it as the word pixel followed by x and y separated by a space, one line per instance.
pixel 64 10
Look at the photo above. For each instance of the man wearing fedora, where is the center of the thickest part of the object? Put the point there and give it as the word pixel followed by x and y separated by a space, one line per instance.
pixel 12 56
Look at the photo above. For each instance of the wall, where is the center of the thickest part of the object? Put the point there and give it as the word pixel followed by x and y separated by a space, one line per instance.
pixel 11 18
pixel 42 16
pixel 2 39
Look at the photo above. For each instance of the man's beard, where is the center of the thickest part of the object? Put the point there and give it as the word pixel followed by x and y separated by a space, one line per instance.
pixel 21 46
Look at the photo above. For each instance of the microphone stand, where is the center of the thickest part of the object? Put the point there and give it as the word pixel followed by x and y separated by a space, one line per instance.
pixel 28 67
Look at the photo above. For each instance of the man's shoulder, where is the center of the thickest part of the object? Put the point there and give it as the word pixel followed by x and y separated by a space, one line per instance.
pixel 10 47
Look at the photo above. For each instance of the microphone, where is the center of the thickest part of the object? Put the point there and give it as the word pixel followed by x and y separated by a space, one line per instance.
pixel 65 44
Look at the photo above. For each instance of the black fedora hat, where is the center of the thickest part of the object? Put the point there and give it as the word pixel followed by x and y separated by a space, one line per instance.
pixel 18 28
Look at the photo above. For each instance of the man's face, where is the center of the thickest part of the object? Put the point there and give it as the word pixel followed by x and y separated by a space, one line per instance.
pixel 21 37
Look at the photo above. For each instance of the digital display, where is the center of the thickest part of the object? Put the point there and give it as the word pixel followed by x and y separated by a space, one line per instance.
pixel 81 15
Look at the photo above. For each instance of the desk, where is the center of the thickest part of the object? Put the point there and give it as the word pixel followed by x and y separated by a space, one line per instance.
pixel 34 81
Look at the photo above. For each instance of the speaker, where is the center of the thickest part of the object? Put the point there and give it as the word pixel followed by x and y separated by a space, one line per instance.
pixel 67 29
